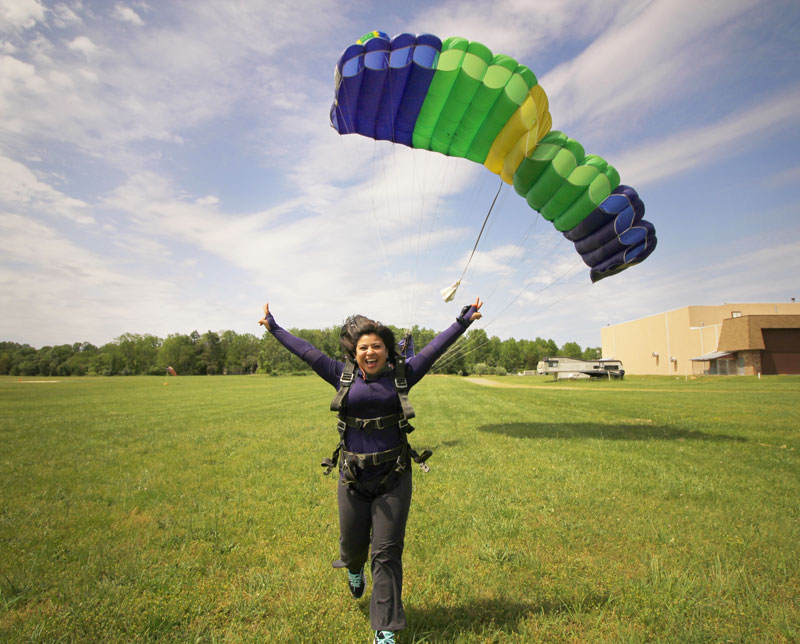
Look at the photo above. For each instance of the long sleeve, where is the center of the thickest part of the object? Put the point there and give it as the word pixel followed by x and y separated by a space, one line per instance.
pixel 422 362
pixel 326 368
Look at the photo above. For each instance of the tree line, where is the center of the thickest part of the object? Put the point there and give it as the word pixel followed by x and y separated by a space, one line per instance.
pixel 228 352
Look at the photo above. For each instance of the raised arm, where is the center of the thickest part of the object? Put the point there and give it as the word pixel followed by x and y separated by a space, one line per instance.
pixel 327 368
pixel 421 363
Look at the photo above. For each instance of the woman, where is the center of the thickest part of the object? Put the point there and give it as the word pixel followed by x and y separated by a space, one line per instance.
pixel 374 494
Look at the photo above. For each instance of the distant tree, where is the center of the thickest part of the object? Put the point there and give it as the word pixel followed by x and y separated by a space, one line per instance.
pixel 228 352
pixel 13 355
pixel 478 348
pixel 511 357
pixel 27 367
pixel 211 356
pixel 592 353
pixel 274 359
pixel 139 352
pixel 531 352
pixel 495 347
pixel 571 350
pixel 80 364
pixel 454 359
pixel 241 352
pixel 179 351
pixel 60 359
pixel 108 360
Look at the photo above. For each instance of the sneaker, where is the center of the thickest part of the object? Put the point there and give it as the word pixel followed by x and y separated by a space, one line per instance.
pixel 356 582
pixel 384 637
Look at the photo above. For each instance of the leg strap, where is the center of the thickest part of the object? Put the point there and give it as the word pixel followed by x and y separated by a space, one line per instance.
pixel 330 463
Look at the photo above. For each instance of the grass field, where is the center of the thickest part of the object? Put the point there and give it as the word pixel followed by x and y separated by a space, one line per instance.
pixel 647 510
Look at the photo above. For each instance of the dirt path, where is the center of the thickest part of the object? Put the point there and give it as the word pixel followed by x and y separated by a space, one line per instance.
pixel 493 383
pixel 485 382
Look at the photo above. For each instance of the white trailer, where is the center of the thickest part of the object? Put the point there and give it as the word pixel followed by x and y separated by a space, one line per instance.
pixel 565 368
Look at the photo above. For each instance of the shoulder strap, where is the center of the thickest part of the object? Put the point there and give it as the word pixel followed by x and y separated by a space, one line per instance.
pixel 401 384
pixel 345 382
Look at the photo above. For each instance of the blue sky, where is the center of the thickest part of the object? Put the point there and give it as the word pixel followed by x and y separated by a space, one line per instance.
pixel 166 167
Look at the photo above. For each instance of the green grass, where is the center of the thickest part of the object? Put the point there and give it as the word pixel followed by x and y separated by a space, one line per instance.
pixel 647 510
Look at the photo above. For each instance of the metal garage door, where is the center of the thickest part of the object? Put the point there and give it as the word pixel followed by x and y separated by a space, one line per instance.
pixel 781 351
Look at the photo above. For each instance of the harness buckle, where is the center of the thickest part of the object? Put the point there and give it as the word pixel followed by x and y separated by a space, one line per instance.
pixel 347 377
pixel 341 425
pixel 401 384
pixel 421 458
pixel 329 463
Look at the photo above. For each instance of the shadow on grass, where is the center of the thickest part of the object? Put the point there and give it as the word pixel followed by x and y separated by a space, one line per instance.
pixel 441 623
pixel 451 443
pixel 638 432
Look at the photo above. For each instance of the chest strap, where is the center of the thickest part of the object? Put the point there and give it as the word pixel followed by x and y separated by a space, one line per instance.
pixel 345 382
pixel 401 385
pixel 371 424
pixel 375 458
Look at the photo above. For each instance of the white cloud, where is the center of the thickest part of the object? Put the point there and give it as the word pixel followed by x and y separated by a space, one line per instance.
pixel 21 189
pixel 20 14
pixel 495 260
pixel 15 76
pixel 165 80
pixel 642 62
pixel 693 147
pixel 759 270
pixel 62 15
pixel 126 14
pixel 519 28
pixel 93 298
pixel 83 45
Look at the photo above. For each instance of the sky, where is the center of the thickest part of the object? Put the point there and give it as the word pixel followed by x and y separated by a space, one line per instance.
pixel 170 166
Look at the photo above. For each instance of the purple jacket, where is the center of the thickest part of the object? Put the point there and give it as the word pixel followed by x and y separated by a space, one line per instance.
pixel 375 396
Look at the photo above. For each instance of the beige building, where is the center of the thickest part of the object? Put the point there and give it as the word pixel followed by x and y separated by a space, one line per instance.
pixel 744 339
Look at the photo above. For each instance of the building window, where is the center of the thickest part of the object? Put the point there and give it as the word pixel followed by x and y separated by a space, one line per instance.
pixel 736 314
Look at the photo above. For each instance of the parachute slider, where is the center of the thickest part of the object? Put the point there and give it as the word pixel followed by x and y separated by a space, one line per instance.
pixel 450 292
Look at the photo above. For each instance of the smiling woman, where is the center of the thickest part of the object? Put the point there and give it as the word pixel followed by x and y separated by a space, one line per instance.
pixel 374 494
pixel 371 343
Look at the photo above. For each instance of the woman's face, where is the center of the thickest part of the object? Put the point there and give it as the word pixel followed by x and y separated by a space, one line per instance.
pixel 371 353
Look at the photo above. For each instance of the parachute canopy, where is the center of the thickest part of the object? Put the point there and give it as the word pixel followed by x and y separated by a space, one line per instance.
pixel 457 98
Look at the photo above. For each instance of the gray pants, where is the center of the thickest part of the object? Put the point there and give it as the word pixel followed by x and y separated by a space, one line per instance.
pixel 385 518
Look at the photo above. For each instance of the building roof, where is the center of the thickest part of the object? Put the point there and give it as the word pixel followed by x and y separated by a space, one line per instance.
pixel 744 333
pixel 705 314
pixel 712 356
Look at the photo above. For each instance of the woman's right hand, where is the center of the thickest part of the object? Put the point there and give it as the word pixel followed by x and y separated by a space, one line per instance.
pixel 264 320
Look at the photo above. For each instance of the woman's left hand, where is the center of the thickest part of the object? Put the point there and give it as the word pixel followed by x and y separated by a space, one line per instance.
pixel 477 315
pixel 263 321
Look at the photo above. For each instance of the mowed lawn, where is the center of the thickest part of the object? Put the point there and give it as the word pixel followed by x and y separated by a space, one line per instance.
pixel 193 509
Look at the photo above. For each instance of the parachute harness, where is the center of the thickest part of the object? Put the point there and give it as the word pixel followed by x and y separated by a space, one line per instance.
pixel 352 462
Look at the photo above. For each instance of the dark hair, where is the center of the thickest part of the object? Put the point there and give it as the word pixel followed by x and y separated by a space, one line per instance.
pixel 358 325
